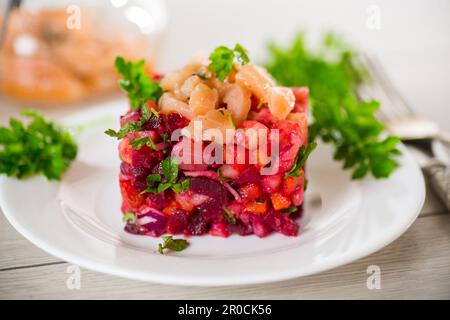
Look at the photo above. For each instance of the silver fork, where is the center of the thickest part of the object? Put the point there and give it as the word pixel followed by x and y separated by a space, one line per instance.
pixel 395 112
pixel 400 120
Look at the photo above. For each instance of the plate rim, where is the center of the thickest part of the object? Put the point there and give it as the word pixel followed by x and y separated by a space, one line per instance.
pixel 209 281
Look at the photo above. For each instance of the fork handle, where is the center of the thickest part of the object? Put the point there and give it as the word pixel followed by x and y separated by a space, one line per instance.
pixel 439 175
pixel 444 137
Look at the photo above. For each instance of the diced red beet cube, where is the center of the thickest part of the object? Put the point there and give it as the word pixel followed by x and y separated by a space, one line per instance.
pixel 178 221
pixel 281 222
pixel 271 183
pixel 260 228
pixel 197 225
pixel 220 230
pixel 249 175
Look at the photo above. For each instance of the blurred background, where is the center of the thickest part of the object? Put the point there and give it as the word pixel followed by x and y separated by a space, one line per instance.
pixel 61 70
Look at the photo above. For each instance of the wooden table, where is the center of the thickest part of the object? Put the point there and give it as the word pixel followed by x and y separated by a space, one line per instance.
pixel 417 265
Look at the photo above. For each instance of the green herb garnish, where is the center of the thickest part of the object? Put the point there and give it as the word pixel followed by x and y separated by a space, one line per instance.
pixel 138 143
pixel 172 244
pixel 290 210
pixel 222 59
pixel 221 177
pixel 339 117
pixel 146 113
pixel 129 217
pixel 39 147
pixel 136 82
pixel 229 215
pixel 300 160
pixel 169 167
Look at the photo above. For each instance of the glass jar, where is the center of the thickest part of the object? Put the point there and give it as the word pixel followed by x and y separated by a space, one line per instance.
pixel 57 52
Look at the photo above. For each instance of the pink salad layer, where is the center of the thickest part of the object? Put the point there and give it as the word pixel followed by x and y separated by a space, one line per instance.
pixel 237 200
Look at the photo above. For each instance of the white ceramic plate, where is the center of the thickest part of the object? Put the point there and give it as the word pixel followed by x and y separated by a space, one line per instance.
pixel 79 220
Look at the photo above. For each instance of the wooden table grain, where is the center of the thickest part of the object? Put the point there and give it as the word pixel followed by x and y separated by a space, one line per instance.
pixel 415 266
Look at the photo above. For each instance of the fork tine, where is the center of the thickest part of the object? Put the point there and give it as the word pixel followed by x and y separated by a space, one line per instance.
pixel 398 102
pixel 374 90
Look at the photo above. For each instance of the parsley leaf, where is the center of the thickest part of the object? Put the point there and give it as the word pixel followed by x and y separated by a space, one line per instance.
pixel 300 160
pixel 129 217
pixel 172 244
pixel 39 147
pixel 290 210
pixel 339 117
pixel 138 143
pixel 222 59
pixel 169 168
pixel 136 82
pixel 229 215
pixel 134 126
pixel 241 54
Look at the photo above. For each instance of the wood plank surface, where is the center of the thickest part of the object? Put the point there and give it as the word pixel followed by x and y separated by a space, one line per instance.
pixel 414 266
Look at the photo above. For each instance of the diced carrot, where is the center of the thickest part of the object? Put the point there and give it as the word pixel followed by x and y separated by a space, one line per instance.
pixel 257 207
pixel 279 201
pixel 289 185
pixel 171 207
pixel 250 192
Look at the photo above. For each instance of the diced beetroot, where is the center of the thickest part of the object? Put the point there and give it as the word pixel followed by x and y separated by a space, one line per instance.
pixel 242 228
pixel 219 230
pixel 131 116
pixel 212 211
pixel 249 175
pixel 178 221
pixel 281 222
pixel 144 157
pixel 156 200
pixel 197 225
pixel 250 192
pixel 271 183
pixel 175 121
pixel 211 188
pixel 139 184
pixel 260 228
pixel 264 116
pixel 297 196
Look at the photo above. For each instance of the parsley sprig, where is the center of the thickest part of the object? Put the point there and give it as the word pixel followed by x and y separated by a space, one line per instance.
pixel 169 168
pixel 300 160
pixel 172 244
pixel 222 59
pixel 137 143
pixel 229 215
pixel 339 117
pixel 39 147
pixel 136 82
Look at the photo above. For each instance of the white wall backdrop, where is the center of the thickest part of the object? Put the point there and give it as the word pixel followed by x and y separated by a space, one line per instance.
pixel 413 40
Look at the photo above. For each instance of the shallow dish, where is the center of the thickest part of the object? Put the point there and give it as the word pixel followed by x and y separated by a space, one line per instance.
pixel 78 220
